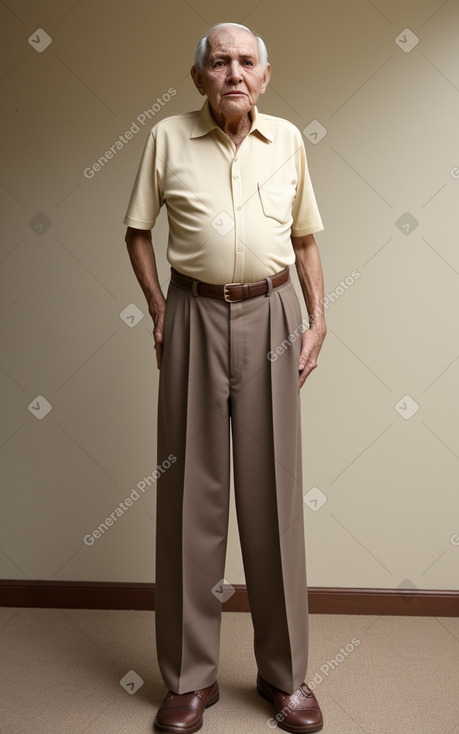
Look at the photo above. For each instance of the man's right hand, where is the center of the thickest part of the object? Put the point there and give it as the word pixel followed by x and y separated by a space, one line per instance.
pixel 140 248
pixel 157 312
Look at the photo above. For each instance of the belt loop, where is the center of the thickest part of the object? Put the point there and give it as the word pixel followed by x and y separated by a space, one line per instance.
pixel 270 287
pixel 194 288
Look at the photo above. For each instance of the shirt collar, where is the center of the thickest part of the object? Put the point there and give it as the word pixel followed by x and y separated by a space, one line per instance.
pixel 205 123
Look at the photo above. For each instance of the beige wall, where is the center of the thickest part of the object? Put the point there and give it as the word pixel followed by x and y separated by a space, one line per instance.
pixel 389 160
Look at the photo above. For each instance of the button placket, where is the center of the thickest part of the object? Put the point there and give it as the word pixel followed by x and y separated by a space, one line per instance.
pixel 238 221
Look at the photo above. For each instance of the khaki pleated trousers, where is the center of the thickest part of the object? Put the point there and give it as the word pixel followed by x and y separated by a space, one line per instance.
pixel 216 379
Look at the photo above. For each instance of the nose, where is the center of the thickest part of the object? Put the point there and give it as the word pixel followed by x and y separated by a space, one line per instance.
pixel 234 72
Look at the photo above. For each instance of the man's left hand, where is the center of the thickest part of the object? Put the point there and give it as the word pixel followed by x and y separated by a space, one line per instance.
pixel 311 343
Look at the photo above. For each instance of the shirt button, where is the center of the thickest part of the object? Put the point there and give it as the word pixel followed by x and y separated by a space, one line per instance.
pixel 239 249
pixel 236 178
pixel 239 208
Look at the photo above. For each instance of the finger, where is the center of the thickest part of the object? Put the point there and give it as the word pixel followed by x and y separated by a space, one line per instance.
pixel 158 337
pixel 301 379
pixel 303 360
pixel 159 355
pixel 305 373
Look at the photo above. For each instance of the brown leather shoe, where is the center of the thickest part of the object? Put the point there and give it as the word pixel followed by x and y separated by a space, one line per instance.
pixel 297 712
pixel 184 712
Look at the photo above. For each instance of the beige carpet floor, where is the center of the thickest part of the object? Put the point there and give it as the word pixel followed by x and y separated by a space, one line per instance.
pixel 61 671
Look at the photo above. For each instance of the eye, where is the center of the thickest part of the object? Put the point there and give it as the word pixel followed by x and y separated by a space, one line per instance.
pixel 218 63
pixel 248 62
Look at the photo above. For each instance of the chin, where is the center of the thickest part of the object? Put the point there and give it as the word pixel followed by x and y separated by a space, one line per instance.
pixel 240 102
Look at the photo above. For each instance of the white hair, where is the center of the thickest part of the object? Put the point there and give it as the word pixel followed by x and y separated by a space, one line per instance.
pixel 202 47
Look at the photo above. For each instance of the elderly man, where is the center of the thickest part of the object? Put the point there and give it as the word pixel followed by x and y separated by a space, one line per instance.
pixel 233 354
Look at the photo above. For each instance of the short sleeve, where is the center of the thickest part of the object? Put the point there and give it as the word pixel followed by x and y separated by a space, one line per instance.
pixel 305 212
pixel 146 198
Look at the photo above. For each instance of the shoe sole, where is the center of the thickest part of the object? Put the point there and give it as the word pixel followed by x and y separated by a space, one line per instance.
pixel 188 729
pixel 286 727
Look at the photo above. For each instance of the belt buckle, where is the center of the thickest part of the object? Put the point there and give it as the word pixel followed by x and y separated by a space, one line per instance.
pixel 226 295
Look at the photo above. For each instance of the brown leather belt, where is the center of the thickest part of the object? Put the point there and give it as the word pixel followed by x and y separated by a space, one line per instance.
pixel 230 292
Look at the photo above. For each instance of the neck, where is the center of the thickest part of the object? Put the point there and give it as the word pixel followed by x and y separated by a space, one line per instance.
pixel 236 128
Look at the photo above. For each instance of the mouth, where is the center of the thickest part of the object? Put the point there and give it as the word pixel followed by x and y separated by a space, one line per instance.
pixel 234 94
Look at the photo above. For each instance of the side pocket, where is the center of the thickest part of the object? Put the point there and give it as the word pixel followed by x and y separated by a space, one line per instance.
pixel 294 316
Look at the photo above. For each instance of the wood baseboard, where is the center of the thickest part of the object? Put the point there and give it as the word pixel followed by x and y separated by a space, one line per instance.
pixel 137 596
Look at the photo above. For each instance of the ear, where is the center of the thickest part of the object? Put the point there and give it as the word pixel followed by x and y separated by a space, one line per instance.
pixel 197 78
pixel 266 78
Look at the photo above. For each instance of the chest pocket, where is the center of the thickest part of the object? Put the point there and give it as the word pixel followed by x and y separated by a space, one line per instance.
pixel 276 201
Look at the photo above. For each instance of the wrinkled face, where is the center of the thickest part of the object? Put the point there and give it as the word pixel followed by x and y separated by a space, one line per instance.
pixel 231 77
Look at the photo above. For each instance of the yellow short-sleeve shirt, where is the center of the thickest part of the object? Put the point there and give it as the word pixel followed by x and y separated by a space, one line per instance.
pixel 231 212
